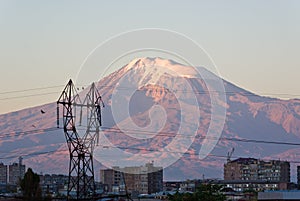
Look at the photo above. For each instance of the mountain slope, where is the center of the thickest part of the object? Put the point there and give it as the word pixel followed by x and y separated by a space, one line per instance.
pixel 162 90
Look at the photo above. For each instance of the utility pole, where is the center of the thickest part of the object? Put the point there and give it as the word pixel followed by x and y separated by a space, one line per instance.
pixel 81 185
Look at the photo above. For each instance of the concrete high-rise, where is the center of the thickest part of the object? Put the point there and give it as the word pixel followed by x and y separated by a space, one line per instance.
pixel 141 179
pixel 16 172
pixel 111 177
pixel 3 173
pixel 257 170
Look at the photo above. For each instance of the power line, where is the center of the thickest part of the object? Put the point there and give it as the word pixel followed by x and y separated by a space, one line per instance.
pixel 13 134
pixel 33 154
pixel 27 96
pixel 31 89
pixel 160 134
pixel 130 148
pixel 246 93
pixel 171 134
pixel 177 152
pixel 202 92
pixel 157 150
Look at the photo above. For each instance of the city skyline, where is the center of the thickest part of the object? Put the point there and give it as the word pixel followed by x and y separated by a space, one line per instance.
pixel 160 90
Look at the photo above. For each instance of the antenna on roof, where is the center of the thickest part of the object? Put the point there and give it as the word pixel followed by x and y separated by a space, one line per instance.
pixel 229 154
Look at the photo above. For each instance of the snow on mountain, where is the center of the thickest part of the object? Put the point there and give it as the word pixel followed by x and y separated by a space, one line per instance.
pixel 156 91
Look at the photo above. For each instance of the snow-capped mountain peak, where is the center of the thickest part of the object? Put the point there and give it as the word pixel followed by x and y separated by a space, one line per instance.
pixel 157 67
pixel 248 116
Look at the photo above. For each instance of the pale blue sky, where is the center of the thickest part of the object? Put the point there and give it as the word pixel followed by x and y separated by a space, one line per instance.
pixel 254 43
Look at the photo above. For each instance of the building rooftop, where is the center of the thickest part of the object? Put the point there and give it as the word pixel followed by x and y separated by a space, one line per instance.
pixel 279 195
pixel 243 160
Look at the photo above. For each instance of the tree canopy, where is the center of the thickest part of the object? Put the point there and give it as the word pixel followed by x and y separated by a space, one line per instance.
pixel 30 186
pixel 205 192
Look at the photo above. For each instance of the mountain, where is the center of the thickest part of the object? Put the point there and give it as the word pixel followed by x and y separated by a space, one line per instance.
pixel 162 111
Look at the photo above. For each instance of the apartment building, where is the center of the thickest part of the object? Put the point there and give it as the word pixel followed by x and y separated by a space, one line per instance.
pixel 112 179
pixel 139 179
pixel 3 173
pixel 16 172
pixel 256 169
pixel 244 173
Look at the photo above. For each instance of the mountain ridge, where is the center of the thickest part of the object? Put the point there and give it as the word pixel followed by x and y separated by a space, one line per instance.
pixel 248 116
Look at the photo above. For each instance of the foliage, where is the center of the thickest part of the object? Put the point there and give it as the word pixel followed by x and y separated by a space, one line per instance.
pixel 182 197
pixel 208 192
pixel 205 192
pixel 30 186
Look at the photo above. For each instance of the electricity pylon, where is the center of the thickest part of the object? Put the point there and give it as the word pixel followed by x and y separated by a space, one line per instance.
pixel 81 185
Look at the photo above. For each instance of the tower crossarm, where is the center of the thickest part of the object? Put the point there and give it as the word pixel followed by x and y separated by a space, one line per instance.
pixel 81 185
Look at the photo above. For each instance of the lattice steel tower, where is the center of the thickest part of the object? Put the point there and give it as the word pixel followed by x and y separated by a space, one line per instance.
pixel 81 185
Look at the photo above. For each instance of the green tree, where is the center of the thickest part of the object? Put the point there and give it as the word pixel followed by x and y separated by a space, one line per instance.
pixel 208 192
pixel 30 186
pixel 205 192
pixel 182 197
